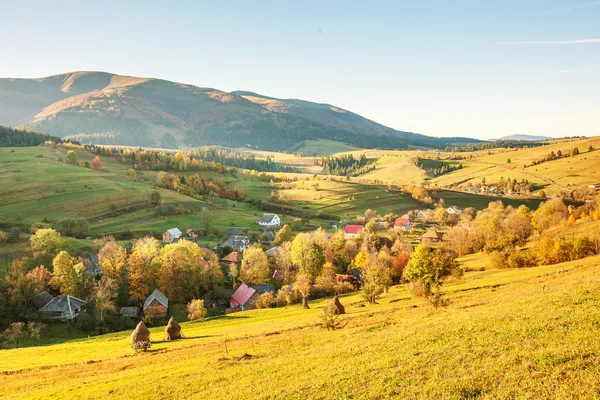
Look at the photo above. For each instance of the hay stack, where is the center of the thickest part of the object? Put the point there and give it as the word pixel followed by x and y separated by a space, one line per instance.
pixel 339 307
pixel 173 330
pixel 140 334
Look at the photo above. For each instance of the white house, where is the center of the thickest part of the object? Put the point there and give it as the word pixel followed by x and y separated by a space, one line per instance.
pixel 172 235
pixel 269 220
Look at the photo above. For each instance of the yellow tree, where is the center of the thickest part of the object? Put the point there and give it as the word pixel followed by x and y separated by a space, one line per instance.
pixel 255 266
pixel 179 270
pixel 68 275
pixel 112 259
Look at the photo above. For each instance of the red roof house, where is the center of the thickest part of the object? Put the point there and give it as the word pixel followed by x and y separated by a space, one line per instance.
pixel 352 231
pixel 403 223
pixel 241 298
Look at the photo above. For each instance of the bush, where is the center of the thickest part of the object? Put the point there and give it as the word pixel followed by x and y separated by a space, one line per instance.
pixel 286 295
pixel 3 237
pixel 86 323
pixel 265 300
pixel 196 310
pixel 522 259
pixel 329 316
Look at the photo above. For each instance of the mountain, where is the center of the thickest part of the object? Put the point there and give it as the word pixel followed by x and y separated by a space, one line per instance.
pixel 529 138
pixel 104 108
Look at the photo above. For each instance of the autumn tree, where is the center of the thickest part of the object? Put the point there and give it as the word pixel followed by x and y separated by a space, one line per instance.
pixel 71 157
pixel 97 164
pixel 179 270
pixel 284 234
pixel 550 213
pixel 374 277
pixel 103 296
pixel 15 333
pixel 302 287
pixel 255 266
pixel 112 259
pixel 34 331
pixel 139 264
pixel 68 276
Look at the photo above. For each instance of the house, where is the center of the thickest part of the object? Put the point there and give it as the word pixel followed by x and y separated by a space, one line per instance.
pixel 264 288
pixel 274 251
pixel 403 224
pixel 232 231
pixel 431 236
pixel 596 186
pixel 233 258
pixel 211 300
pixel 63 308
pixel 172 235
pixel 156 305
pixel 472 189
pixel 351 231
pixel 277 275
pixel 421 214
pixel 454 210
pixel 381 224
pixel 270 220
pixel 243 298
pixel 333 225
pixel 40 300
pixel 237 243
pixel 268 236
pixel 131 312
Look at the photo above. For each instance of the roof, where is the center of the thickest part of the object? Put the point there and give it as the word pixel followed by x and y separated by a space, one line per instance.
pixel 234 256
pixel 161 298
pixel 129 311
pixel 401 222
pixel 235 230
pixel 41 299
pixel 174 231
pixel 63 303
pixel 353 228
pixel 236 241
pixel 242 295
pixel 431 234
pixel 264 288
pixel 274 252
pixel 266 218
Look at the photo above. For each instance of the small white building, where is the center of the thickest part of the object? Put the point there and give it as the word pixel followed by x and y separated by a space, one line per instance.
pixel 172 235
pixel 269 220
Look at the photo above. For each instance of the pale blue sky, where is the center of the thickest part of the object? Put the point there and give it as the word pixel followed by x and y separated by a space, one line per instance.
pixel 443 68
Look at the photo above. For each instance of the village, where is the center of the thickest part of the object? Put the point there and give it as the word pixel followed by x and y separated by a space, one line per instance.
pixel 411 228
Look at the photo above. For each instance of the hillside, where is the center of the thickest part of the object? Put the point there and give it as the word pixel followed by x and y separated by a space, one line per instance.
pixel 502 336
pixel 103 108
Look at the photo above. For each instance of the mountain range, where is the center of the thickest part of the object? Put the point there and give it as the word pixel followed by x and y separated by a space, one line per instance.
pixel 529 138
pixel 105 108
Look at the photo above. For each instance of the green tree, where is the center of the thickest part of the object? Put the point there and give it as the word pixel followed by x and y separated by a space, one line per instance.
pixel 156 198
pixel 72 157
pixel 375 277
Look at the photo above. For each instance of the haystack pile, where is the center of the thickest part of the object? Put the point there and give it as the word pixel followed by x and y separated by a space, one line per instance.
pixel 339 307
pixel 140 334
pixel 173 330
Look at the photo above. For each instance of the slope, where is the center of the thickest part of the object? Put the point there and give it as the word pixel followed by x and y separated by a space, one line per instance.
pixel 501 337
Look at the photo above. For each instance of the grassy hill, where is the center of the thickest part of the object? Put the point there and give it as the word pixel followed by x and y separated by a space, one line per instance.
pixel 528 333
pixel 103 108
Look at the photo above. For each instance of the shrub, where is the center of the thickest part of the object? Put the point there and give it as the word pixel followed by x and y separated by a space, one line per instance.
pixel 286 295
pixel 196 310
pixel 265 300
pixel 3 237
pixel 329 317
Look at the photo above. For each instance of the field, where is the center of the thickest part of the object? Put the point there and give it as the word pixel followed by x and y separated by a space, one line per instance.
pixel 323 147
pixel 507 333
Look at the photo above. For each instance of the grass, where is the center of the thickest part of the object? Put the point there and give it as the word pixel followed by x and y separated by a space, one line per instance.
pixel 323 147
pixel 501 337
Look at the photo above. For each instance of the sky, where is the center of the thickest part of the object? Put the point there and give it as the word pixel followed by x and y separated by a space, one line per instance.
pixel 482 69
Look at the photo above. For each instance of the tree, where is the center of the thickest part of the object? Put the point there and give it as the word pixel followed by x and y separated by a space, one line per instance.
pixel 302 287
pixel 315 258
pixel 39 278
pixel 508 161
pixel 300 247
pixel 327 281
pixel 549 213
pixel 104 294
pixel 374 277
pixel 68 275
pixel 255 266
pixel 46 241
pixel 15 333
pixel 426 271
pixel 284 234
pixel 139 264
pixel 179 272
pixel 131 173
pixel 34 331
pixel 97 164
pixel 206 219
pixel 72 157
pixel 336 252
pixel 196 310
pixel 156 198
pixel 112 259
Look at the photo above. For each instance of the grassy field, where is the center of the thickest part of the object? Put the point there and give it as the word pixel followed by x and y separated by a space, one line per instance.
pixel 502 336
pixel 323 147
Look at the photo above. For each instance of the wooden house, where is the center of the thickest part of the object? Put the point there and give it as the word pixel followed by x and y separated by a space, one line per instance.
pixel 156 305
